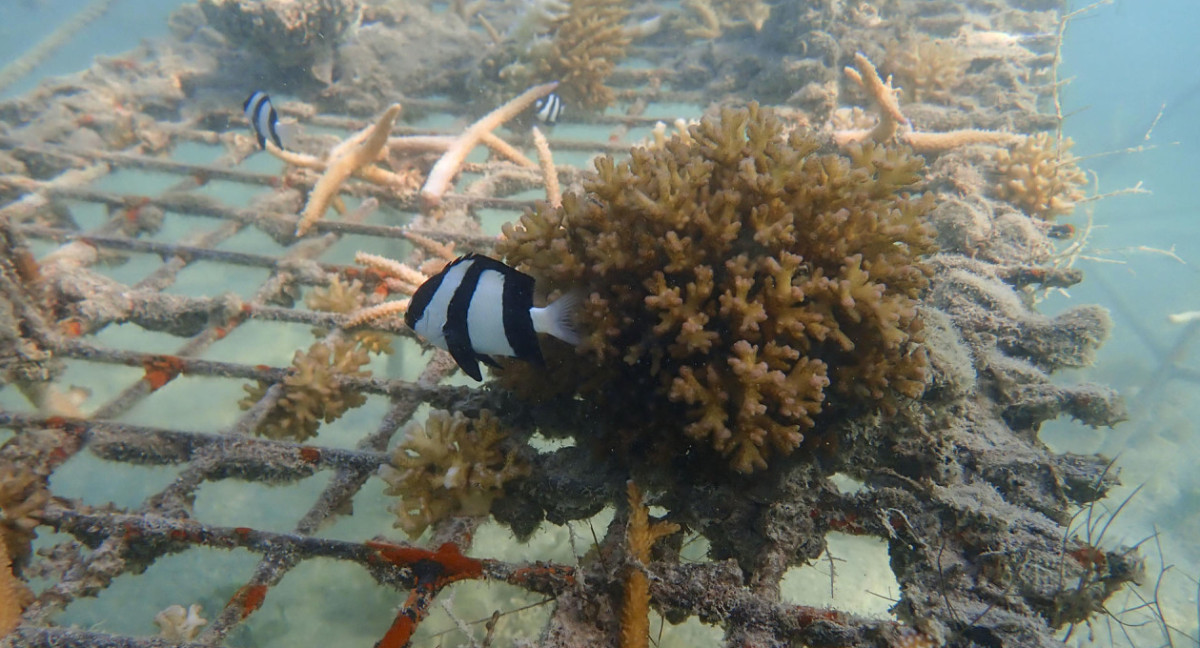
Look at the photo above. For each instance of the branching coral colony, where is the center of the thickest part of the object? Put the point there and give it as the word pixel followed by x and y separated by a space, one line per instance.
pixel 735 274
pixel 580 48
pixel 450 466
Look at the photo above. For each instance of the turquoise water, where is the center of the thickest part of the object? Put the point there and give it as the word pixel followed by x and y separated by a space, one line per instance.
pixel 1134 86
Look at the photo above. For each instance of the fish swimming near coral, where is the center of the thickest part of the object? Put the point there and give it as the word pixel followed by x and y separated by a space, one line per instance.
pixel 265 120
pixel 548 109
pixel 478 307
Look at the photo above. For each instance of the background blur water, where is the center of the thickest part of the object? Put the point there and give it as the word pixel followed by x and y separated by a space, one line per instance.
pixel 1126 61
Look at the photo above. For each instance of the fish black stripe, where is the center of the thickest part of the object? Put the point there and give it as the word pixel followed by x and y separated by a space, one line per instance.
pixel 260 99
pixel 458 335
pixel 516 302
pixel 272 122
pixel 518 323
pixel 422 297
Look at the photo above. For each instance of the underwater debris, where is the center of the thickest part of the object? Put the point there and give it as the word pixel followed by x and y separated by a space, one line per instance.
pixel 311 392
pixel 1040 176
pixel 178 624
pixel 450 466
pixel 736 274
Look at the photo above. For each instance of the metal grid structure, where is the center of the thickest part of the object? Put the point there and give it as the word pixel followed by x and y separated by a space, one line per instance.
pixel 122 541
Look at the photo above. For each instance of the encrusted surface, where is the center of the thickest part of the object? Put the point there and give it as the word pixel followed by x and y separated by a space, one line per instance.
pixel 757 278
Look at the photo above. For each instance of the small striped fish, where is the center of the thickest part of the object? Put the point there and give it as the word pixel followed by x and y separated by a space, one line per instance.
pixel 478 307
pixel 263 118
pixel 548 109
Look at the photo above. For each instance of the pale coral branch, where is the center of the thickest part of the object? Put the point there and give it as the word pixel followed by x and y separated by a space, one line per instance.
pixel 553 192
pixel 448 165
pixel 420 142
pixel 344 161
pixel 441 143
pixel 883 94
pixel 389 267
pixel 293 158
pixel 1184 317
pixel 377 312
pixel 492 141
pixel 935 142
pixel 400 286
pixel 441 250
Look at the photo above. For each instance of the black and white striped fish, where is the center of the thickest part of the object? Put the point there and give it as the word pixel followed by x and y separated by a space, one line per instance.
pixel 264 119
pixel 548 109
pixel 478 307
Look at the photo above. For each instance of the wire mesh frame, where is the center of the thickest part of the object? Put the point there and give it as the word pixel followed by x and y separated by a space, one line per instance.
pixel 204 453
pixel 160 526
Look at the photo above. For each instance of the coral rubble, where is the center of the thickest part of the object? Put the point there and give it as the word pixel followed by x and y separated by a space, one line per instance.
pixel 736 274
pixel 450 466
pixel 175 623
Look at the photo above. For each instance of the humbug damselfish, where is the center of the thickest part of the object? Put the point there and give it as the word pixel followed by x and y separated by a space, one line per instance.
pixel 478 307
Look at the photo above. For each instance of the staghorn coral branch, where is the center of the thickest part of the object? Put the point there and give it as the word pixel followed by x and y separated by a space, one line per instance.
pixel 553 193
pixel 891 118
pixel 443 251
pixel 492 141
pixel 449 164
pixel 635 612
pixel 379 311
pixel 935 142
pixel 343 162
pixel 390 267
pixel 883 94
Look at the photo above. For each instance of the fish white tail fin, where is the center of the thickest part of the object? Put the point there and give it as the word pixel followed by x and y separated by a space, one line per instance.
pixel 558 318
pixel 289 131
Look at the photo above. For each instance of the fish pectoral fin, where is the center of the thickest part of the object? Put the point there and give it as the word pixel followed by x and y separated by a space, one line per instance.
pixel 458 343
pixel 488 360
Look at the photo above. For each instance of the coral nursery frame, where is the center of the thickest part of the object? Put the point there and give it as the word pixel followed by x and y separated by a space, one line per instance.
pixel 958 589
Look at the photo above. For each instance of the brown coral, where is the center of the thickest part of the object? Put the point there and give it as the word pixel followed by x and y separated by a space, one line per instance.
pixel 1040 176
pixel 640 536
pixel 711 18
pixel 346 298
pixel 583 48
pixel 927 68
pixel 452 465
pixel 734 274
pixel 311 392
